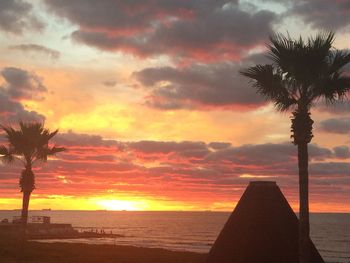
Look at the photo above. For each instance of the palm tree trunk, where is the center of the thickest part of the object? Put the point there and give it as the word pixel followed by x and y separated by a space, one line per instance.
pixel 27 186
pixel 23 230
pixel 25 206
pixel 304 226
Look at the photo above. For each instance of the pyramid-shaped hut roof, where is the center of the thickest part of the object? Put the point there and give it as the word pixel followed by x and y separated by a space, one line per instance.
pixel 262 228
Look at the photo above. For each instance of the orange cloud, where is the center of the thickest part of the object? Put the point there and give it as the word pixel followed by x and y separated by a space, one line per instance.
pixel 153 175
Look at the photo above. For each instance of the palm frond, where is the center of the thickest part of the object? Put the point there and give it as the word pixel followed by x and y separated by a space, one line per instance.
pixel 322 42
pixel 334 89
pixel 52 134
pixel 3 150
pixel 337 60
pixel 54 150
pixel 271 85
pixel 299 60
pixel 333 84
pixel 284 103
pixel 5 154
pixel 14 138
pixel 281 50
pixel 31 141
pixel 43 153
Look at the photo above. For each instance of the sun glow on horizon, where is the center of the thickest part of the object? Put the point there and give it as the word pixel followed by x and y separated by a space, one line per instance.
pixel 119 205
pixel 110 204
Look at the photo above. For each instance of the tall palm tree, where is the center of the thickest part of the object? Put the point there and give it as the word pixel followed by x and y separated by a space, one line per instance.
pixel 29 144
pixel 301 73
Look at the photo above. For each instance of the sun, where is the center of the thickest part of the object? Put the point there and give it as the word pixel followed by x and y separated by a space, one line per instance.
pixel 117 205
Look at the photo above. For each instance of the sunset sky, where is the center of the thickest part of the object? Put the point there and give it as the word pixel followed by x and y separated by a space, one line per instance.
pixel 150 105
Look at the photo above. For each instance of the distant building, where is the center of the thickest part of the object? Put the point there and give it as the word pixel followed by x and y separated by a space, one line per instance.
pixel 33 220
pixel 38 227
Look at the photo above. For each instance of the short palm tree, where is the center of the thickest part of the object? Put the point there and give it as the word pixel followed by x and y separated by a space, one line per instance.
pixel 301 73
pixel 28 144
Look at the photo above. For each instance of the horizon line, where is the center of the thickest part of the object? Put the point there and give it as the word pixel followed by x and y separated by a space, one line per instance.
pixel 200 211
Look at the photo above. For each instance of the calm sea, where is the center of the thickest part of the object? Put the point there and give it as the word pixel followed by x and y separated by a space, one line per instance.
pixel 190 231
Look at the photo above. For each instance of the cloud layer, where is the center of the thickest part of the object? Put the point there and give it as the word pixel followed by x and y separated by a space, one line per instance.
pixel 183 171
pixel 201 30
pixel 323 14
pixel 207 41
pixel 340 125
pixel 19 85
pixel 198 86
pixel 34 48
pixel 16 16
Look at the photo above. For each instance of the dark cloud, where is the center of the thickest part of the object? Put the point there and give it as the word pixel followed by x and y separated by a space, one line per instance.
pixel 152 147
pixel 202 30
pixel 339 108
pixel 319 153
pixel 256 58
pixel 198 86
pixel 54 54
pixel 72 139
pixel 19 84
pixel 342 152
pixel 340 126
pixel 12 111
pixel 109 83
pixel 323 14
pixel 331 168
pixel 16 15
pixel 91 158
pixel 266 154
pixel 219 145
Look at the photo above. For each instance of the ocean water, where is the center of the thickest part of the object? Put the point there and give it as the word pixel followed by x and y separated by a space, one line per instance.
pixel 188 231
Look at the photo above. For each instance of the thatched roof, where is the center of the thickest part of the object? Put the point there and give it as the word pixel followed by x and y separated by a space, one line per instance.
pixel 262 228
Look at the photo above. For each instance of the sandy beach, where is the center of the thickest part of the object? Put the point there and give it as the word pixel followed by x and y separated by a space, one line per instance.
pixel 78 253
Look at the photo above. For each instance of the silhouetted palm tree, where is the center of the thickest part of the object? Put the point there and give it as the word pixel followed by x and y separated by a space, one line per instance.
pixel 28 144
pixel 301 73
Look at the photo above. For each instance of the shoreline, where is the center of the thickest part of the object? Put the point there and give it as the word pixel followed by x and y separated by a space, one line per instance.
pixel 38 252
